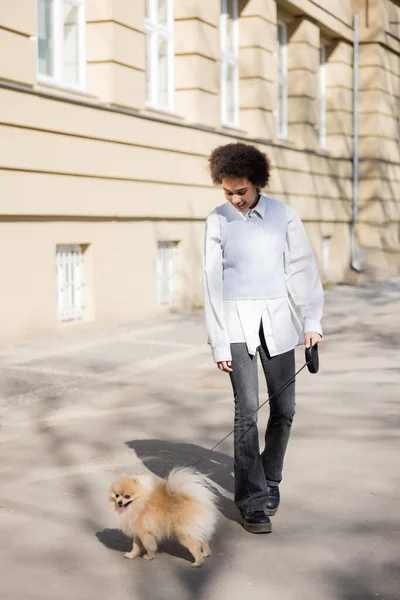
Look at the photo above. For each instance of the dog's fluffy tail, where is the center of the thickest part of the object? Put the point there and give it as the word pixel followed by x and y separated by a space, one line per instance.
pixel 190 483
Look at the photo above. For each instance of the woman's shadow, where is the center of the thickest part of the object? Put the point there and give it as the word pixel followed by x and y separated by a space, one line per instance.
pixel 160 456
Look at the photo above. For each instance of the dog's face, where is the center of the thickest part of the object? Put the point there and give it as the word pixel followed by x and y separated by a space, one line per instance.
pixel 123 492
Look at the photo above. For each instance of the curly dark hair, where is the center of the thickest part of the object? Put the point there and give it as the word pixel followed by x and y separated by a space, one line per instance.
pixel 240 160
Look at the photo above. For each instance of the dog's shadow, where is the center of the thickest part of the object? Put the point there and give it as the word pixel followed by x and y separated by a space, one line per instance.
pixel 114 539
pixel 160 456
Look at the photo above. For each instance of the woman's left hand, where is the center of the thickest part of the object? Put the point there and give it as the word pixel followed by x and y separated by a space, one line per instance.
pixel 312 337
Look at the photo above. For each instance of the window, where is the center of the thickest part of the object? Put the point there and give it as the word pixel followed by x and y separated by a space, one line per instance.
pixel 69 261
pixel 229 38
pixel 322 97
pixel 159 28
pixel 61 42
pixel 325 256
pixel 166 272
pixel 282 112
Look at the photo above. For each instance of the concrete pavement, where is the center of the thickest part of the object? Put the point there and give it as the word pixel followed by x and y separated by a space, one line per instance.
pixel 81 407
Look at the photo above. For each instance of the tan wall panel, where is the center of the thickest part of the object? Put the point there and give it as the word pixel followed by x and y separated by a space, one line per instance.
pixel 99 83
pixel 22 67
pixel 302 83
pixel 339 75
pixel 378 147
pixel 51 152
pixel 303 31
pixel 338 122
pixel 256 32
pixel 207 10
pixel 341 52
pixel 379 170
pixel 324 165
pixel 123 11
pixel 199 107
pixel 196 37
pixel 303 57
pixel 128 12
pixel 63 195
pixel 258 123
pixel 257 62
pixel 300 112
pixel 372 100
pixel 339 99
pixel 260 8
pixel 129 87
pixel 109 41
pixel 98 10
pixel 117 251
pixel 311 185
pixel 85 196
pixel 117 84
pixel 37 112
pixel 28 301
pixel 194 71
pixel 387 191
pixel 377 78
pixel 376 55
pixel 19 16
pixel 379 125
pixel 257 93
pixel 340 145
pixel 379 213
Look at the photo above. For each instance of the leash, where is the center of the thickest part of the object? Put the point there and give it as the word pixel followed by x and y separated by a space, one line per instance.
pixel 312 363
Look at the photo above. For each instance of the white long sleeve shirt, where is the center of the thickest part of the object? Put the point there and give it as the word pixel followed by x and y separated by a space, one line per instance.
pixel 285 319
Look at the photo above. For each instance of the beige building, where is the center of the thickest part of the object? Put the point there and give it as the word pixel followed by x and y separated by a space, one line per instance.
pixel 110 108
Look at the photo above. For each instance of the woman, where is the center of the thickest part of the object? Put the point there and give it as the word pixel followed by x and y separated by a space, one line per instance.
pixel 256 254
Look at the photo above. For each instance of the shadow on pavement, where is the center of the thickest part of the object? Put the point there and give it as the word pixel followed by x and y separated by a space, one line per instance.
pixel 160 456
pixel 368 581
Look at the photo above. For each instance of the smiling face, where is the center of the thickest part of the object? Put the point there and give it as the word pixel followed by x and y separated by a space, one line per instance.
pixel 240 192
pixel 122 493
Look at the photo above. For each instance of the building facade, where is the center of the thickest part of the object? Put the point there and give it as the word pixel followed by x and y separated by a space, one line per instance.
pixel 110 109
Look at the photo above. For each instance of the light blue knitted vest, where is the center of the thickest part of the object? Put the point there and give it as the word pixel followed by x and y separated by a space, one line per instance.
pixel 253 251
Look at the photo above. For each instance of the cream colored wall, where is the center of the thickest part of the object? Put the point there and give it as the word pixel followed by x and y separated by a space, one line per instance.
pixel 117 183
pixel 119 270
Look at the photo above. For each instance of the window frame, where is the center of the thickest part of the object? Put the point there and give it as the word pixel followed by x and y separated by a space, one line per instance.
pixel 58 47
pixel 282 82
pixel 322 97
pixel 229 59
pixel 153 31
pixel 69 256
pixel 169 298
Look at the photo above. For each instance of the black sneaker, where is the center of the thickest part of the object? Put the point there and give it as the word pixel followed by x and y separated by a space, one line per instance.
pixel 273 500
pixel 256 521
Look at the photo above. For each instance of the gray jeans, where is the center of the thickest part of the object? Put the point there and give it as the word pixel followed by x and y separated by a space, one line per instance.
pixel 253 472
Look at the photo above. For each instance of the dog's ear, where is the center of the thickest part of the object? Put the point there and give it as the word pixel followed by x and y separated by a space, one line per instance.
pixel 134 478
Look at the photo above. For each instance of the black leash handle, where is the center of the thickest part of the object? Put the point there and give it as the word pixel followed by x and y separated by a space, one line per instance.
pixel 312 358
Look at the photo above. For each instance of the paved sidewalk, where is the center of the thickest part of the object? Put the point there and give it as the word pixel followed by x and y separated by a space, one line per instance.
pixel 78 408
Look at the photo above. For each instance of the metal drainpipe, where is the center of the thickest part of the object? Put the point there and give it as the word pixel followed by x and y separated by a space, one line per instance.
pixel 354 262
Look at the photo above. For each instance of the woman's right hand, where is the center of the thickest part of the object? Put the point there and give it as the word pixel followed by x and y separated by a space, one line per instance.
pixel 225 365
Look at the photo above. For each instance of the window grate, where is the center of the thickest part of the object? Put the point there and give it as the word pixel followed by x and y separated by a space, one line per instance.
pixel 69 262
pixel 166 272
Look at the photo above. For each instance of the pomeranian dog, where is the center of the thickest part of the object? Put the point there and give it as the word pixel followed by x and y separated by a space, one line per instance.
pixel 150 509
